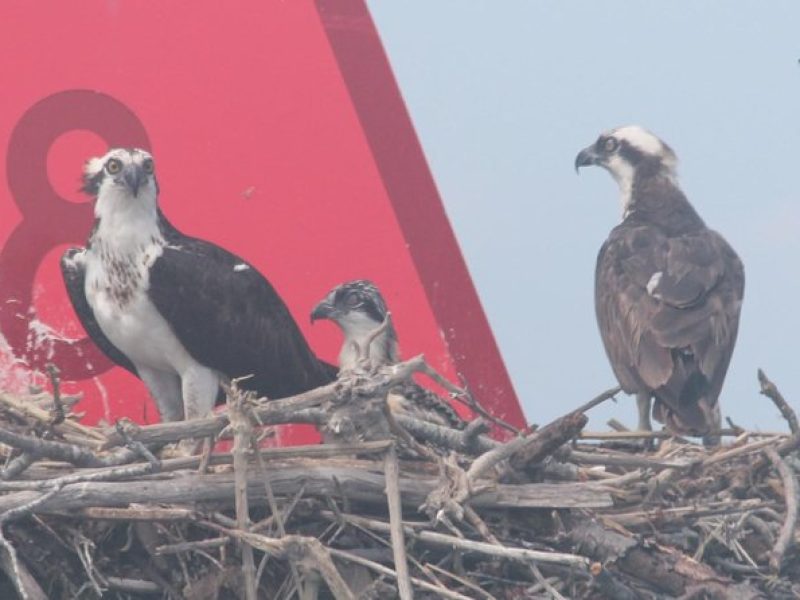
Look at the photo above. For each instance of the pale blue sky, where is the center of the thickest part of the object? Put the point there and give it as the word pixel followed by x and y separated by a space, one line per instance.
pixel 503 96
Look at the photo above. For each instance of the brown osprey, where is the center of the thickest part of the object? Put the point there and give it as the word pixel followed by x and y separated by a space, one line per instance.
pixel 668 290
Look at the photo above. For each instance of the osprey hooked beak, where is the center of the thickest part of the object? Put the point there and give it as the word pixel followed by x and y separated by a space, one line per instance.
pixel 324 310
pixel 586 157
pixel 134 176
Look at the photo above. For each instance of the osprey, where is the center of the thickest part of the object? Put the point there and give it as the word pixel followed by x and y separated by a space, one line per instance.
pixel 358 308
pixel 180 313
pixel 668 290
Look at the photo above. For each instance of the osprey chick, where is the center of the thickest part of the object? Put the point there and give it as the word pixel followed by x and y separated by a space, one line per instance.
pixel 180 313
pixel 668 290
pixel 358 308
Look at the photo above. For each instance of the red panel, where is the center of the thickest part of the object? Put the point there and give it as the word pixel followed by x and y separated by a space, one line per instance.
pixel 278 133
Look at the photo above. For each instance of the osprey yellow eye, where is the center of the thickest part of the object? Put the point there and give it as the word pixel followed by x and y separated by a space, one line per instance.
pixel 147 165
pixel 611 145
pixel 113 166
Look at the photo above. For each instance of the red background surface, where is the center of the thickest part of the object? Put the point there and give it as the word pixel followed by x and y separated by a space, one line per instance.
pixel 278 133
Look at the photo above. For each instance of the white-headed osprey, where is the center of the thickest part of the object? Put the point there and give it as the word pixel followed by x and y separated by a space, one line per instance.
pixel 180 313
pixel 358 308
pixel 668 290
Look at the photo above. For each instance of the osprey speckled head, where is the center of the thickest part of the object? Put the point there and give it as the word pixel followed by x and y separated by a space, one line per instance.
pixel 122 169
pixel 352 302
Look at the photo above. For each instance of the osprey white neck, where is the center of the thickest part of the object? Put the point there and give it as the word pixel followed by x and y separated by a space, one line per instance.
pixel 623 173
pixel 125 221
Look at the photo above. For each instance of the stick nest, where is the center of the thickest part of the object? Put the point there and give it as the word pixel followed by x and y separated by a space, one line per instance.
pixel 389 506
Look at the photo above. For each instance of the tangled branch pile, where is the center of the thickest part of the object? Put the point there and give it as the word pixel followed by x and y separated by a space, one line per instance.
pixel 394 508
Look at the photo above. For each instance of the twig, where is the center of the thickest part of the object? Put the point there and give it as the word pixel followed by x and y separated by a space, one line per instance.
pixel 678 513
pixel 523 555
pixel 770 390
pixel 276 513
pixel 70 453
pixel 617 425
pixel 349 556
pixel 599 399
pixel 242 435
pixel 307 550
pixel 136 586
pixel 26 459
pixel 189 546
pixel 464 396
pixel 791 491
pixel 463 581
pixel 472 430
pixel 545 584
pixel 138 513
pixel 473 518
pixel 25 584
pixel 17 465
pixel 445 436
pixel 620 460
pixel 396 525
pixel 364 351
pixel 57 484
pixel 637 435
pixel 25 407
pixel 750 448
pixel 58 407
pixel 403 435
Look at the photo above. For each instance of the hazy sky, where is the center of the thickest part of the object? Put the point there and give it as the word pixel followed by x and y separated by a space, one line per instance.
pixel 503 96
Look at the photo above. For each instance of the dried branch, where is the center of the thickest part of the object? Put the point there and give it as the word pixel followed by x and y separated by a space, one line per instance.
pixel 71 453
pixel 770 390
pixel 189 546
pixel 303 550
pixel 445 437
pixel 364 351
pixel 417 532
pixel 242 434
pixel 24 407
pixel 349 556
pixel 464 396
pixel 791 491
pixel 58 407
pixel 396 520
pixel 25 584
pixel 620 460
pixel 599 399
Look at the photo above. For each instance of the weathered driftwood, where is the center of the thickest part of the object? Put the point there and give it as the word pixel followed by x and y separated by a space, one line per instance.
pixel 355 479
pixel 662 568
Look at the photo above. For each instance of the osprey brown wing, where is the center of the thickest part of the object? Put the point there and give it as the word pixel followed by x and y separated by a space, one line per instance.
pixel 668 310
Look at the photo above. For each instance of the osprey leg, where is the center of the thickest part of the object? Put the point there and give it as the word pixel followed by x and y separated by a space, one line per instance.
pixel 165 388
pixel 200 386
pixel 714 417
pixel 643 403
